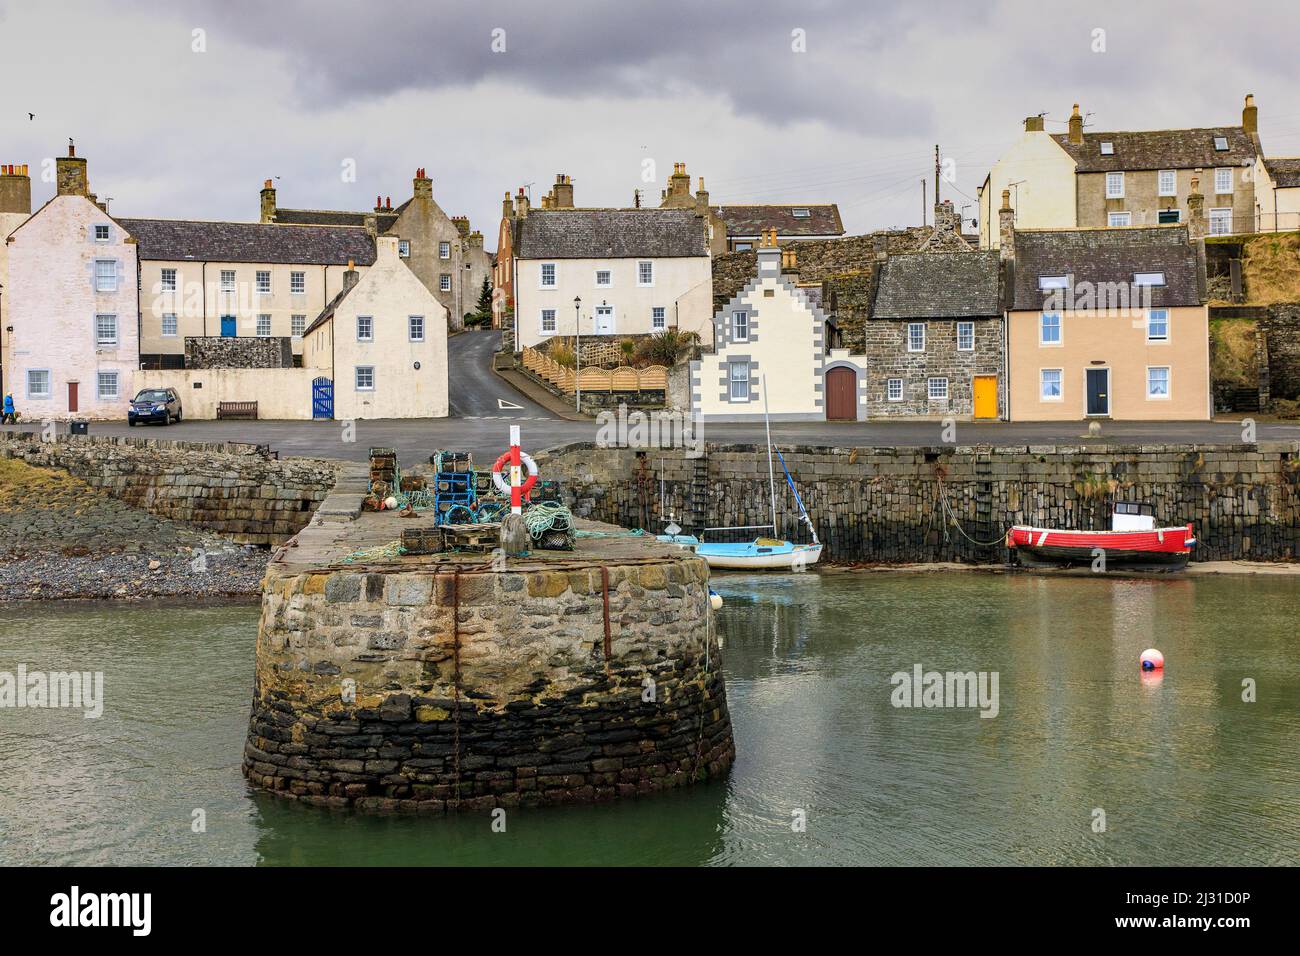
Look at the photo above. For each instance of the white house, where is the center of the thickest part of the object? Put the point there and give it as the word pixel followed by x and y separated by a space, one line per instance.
pixel 381 344
pixel 71 301
pixel 632 272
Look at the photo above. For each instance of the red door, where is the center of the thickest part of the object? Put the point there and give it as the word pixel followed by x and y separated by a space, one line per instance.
pixel 72 397
pixel 841 395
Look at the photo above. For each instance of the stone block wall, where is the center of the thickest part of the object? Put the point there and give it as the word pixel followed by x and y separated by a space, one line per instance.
pixel 887 357
pixel 217 351
pixel 1282 326
pixel 888 505
pixel 480 689
pixel 239 490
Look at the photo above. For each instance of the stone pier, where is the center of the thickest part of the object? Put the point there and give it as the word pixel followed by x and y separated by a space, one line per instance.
pixel 443 683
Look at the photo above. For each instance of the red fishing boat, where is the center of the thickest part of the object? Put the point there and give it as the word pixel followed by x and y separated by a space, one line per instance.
pixel 1133 543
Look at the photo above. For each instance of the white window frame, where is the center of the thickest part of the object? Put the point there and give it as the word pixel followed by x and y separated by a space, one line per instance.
pixel 1167 182
pixel 415 328
pixel 232 285
pixel 1154 280
pixel 356 378
pixel 49 384
pixel 163 284
pixel 297 283
pixel 257 326
pixel 541 322
pixel 1107 147
pixel 404 248
pixel 100 394
pixel 1224 216
pixel 1169 383
pixel 892 394
pixel 1157 338
pixel 740 325
pixel 1117 220
pixel 1043 341
pixel 100 341
pixel 100 232
pixel 1220 144
pixel 175 324
pixel 444 250
pixel 640 268
pixel 1221 173
pixel 366 322
pixel 966 329
pixel 1060 385
pixel 911 328
pixel 733 380
pixel 257 281
pixel 609 278
pixel 444 282
pixel 1115 185
pixel 930 389
pixel 541 275
pixel 658 318
pixel 105 283
pixel 1047 283
pixel 297 325
pixel 800 212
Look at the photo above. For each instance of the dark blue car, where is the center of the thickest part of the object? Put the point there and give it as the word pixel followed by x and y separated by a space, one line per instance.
pixel 155 405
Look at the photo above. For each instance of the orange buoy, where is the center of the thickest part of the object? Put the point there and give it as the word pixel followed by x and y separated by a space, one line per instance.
pixel 1151 660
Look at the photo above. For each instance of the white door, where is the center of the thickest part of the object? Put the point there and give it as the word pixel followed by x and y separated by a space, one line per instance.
pixel 604 320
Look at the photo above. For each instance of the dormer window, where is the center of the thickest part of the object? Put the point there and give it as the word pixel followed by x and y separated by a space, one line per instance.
pixel 1221 144
pixel 1053 282
pixel 801 212
pixel 1149 278
pixel 1107 148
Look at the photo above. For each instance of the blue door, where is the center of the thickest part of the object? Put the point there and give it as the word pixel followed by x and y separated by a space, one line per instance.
pixel 228 326
pixel 322 398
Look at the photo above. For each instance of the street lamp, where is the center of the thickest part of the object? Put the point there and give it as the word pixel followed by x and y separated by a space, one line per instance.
pixel 577 351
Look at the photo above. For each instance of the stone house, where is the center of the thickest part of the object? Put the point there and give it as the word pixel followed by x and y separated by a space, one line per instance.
pixel 70 301
pixel 772 332
pixel 606 272
pixel 1277 194
pixel 236 280
pixel 935 338
pixel 1080 179
pixel 1108 323
pixel 381 344
pixel 15 207
pixel 441 250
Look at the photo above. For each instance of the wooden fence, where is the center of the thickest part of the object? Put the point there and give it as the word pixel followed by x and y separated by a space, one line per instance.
pixel 595 379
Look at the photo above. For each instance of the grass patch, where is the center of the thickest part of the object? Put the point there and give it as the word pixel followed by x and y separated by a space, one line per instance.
pixel 24 486
pixel 1270 268
pixel 1232 351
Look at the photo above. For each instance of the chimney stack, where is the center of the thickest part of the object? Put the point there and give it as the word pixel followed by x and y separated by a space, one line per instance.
pixel 70 174
pixel 350 276
pixel 1196 225
pixel 507 207
pixel 462 225
pixel 1076 127
pixel 702 199
pixel 521 203
pixel 880 242
pixel 1033 124
pixel 15 189
pixel 562 193
pixel 268 202
pixel 1007 227
pixel 422 185
pixel 1250 115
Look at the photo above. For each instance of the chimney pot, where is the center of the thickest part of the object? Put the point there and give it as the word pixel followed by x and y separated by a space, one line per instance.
pixel 1076 126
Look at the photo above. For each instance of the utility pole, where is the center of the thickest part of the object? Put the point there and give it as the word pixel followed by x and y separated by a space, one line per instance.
pixel 936 174
pixel 924 207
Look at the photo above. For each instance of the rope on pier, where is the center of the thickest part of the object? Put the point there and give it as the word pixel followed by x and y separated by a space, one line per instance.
pixel 952 515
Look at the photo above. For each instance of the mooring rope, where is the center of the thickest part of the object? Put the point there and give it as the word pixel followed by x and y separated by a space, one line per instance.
pixel 948 510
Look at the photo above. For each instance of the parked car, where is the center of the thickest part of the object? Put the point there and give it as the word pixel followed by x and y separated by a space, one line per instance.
pixel 155 405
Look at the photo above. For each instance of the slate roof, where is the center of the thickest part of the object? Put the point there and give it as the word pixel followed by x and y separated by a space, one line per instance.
pixel 250 242
pixel 610 234
pixel 1285 173
pixel 936 285
pixel 1160 149
pixel 822 220
pixel 337 217
pixel 1109 256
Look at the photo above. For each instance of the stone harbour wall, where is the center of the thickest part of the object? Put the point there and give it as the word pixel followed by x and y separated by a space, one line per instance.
pixel 217 351
pixel 888 505
pixel 242 491
pixel 438 690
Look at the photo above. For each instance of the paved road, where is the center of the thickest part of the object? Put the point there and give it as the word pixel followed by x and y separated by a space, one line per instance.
pixel 414 439
pixel 475 391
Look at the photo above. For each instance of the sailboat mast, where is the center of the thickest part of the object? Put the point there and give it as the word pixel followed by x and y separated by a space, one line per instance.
pixel 771 475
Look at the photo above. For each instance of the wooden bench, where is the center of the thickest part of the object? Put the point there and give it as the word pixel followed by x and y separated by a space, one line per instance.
pixel 237 410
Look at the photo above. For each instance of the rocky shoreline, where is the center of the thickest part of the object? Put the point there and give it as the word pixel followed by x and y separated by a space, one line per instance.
pixel 132 577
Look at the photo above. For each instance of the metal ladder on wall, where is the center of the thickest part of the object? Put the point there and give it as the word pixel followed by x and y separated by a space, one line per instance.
pixel 983 468
pixel 697 495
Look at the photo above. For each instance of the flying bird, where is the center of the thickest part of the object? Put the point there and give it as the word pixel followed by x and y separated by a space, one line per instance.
pixel 31 116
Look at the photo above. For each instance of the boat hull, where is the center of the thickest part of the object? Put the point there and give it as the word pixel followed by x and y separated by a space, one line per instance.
pixel 1160 549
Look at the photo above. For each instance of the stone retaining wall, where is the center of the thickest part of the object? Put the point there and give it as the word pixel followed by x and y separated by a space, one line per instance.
pixel 884 504
pixel 474 690
pixel 242 491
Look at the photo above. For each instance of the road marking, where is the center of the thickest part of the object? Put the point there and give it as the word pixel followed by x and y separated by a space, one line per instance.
pixel 503 405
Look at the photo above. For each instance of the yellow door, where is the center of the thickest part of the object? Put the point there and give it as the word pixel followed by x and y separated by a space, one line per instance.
pixel 986 396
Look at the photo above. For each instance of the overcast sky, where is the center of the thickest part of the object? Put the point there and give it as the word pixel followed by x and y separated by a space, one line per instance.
pixel 768 101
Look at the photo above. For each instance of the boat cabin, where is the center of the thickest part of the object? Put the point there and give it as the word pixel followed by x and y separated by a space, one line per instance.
pixel 1132 516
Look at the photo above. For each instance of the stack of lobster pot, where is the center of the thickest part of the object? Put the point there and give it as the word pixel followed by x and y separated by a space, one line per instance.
pixel 383 472
pixel 454 491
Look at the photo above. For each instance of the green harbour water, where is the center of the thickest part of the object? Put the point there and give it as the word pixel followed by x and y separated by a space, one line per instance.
pixel 1185 771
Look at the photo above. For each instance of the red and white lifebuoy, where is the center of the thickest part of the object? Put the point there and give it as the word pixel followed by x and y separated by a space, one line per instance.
pixel 517 489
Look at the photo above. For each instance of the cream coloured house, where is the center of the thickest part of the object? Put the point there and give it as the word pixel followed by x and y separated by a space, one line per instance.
pixel 633 272
pixel 1277 194
pixel 71 302
pixel 380 345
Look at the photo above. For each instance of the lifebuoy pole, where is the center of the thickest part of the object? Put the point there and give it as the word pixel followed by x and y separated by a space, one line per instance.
pixel 516 493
